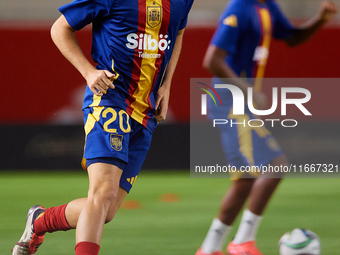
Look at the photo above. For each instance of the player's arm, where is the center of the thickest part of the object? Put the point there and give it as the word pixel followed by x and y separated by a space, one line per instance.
pixel 214 61
pixel 302 33
pixel 63 35
pixel 162 101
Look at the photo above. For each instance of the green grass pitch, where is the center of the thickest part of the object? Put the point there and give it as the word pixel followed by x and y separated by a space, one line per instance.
pixel 168 228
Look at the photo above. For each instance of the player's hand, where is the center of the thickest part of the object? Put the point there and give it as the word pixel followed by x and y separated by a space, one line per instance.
pixel 259 100
pixel 162 103
pixel 327 10
pixel 99 81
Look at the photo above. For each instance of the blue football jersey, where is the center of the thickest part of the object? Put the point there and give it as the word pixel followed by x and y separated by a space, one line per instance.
pixel 245 30
pixel 133 39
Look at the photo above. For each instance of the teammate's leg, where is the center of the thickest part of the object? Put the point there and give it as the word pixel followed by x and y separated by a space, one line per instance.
pixel 264 188
pixel 234 200
pixel 231 205
pixel 260 194
pixel 260 191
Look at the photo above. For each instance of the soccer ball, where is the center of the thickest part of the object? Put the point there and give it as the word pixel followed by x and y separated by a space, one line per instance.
pixel 300 242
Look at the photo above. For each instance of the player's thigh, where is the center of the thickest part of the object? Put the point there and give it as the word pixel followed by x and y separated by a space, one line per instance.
pixel 104 181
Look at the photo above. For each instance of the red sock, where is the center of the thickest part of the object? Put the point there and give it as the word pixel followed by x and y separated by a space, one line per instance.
pixel 87 248
pixel 52 220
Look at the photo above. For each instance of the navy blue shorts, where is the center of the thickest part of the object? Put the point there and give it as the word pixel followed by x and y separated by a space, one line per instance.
pixel 248 146
pixel 113 137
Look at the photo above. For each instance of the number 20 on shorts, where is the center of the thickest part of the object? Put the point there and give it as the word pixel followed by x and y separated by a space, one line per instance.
pixel 110 111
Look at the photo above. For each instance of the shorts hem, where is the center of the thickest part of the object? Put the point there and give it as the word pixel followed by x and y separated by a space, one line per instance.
pixel 112 161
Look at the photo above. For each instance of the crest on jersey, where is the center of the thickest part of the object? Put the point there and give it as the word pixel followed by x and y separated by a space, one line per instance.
pixel 154 16
pixel 116 141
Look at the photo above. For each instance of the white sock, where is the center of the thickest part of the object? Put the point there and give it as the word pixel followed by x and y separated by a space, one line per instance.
pixel 248 227
pixel 215 237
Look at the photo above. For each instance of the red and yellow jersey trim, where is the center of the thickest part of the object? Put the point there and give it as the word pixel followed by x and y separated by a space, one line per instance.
pixel 264 45
pixel 146 70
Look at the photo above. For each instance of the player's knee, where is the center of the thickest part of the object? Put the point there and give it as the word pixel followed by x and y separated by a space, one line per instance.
pixel 109 196
pixel 105 195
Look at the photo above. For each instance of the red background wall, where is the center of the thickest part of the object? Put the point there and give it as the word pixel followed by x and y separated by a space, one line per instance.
pixel 36 80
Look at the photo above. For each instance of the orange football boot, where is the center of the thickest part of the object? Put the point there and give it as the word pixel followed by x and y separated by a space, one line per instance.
pixel 247 248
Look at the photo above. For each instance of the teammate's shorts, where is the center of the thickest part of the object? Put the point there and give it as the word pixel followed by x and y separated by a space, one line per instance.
pixel 113 137
pixel 246 146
